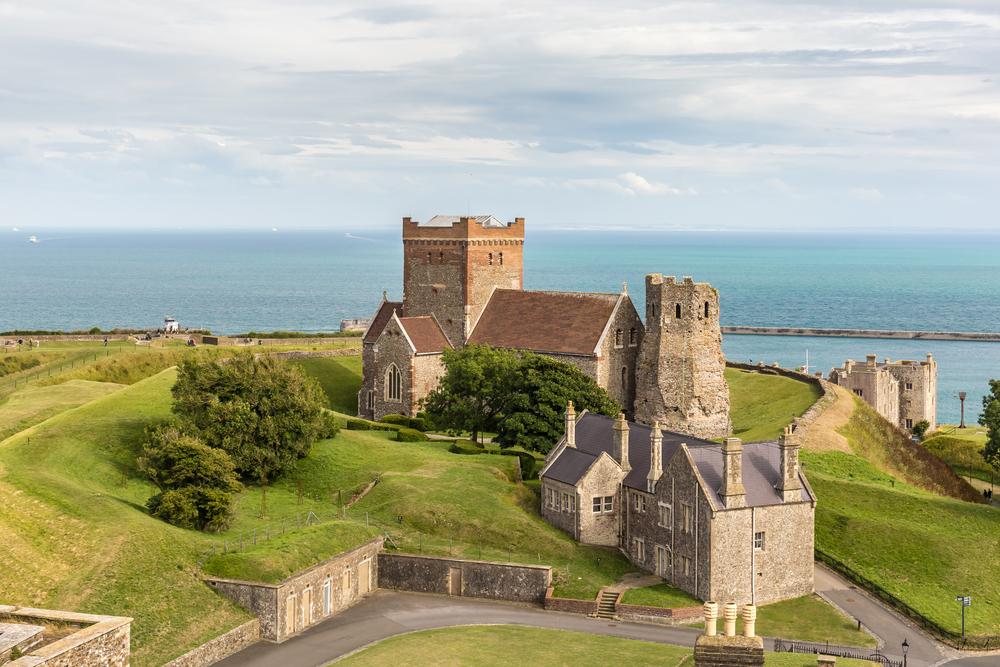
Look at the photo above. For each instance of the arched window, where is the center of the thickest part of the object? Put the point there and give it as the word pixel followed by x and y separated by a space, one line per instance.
pixel 677 311
pixel 491 259
pixel 618 337
pixel 393 384
pixel 370 401
pixel 706 309
pixel 633 337
pixel 501 259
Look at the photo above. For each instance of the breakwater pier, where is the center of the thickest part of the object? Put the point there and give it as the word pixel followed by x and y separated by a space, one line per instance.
pixel 982 337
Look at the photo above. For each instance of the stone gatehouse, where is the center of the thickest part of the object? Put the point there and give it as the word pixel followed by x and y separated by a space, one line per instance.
pixel 463 283
pixel 728 521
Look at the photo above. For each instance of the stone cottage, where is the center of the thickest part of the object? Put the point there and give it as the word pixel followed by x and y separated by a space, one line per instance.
pixel 463 283
pixel 729 521
pixel 904 392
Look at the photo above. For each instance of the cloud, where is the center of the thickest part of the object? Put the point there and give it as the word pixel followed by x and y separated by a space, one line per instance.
pixel 636 184
pixel 866 194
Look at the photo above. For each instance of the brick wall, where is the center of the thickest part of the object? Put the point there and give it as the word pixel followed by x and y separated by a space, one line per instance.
pixel 221 647
pixel 479 579
pixel 568 605
pixel 660 615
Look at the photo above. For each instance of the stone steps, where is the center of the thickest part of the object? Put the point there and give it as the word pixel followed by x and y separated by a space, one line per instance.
pixel 606 605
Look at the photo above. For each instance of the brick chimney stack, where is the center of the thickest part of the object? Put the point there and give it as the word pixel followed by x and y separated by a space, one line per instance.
pixel 789 485
pixel 732 491
pixel 619 437
pixel 570 425
pixel 655 457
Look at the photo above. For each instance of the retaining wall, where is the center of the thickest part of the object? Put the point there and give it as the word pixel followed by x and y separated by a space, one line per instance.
pixel 221 647
pixel 660 615
pixel 101 641
pixel 587 607
pixel 479 579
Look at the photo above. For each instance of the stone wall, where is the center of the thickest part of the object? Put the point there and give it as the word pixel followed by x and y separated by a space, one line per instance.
pixel 427 370
pixel 479 579
pixel 392 348
pixel 603 479
pixel 558 515
pixel 101 641
pixel 619 353
pixel 680 372
pixel 221 647
pixel 568 605
pixel 301 601
pixel 917 392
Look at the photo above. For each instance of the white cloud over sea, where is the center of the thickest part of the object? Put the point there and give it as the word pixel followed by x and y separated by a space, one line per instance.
pixel 765 114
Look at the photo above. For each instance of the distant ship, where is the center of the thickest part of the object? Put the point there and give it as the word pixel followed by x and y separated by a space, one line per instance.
pixel 32 239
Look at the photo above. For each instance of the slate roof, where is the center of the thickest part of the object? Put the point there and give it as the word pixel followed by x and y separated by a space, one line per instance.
pixel 556 322
pixel 761 460
pixel 425 333
pixel 381 318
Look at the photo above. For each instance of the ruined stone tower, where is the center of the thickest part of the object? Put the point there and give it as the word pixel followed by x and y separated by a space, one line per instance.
pixel 451 265
pixel 679 375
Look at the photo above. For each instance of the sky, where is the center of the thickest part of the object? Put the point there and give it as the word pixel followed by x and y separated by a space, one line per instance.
pixel 854 115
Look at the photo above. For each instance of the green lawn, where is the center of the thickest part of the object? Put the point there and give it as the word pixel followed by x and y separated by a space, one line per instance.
pixel 961 449
pixel 660 595
pixel 761 405
pixel 29 406
pixel 921 547
pixel 519 645
pixel 340 378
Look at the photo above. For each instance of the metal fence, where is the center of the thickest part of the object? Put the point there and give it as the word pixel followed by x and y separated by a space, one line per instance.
pixel 785 646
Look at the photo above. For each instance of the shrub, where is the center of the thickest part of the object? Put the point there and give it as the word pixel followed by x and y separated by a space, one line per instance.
pixel 358 425
pixel 193 507
pixel 920 428
pixel 410 435
pixel 416 423
pixel 526 460
pixel 466 447
pixel 331 425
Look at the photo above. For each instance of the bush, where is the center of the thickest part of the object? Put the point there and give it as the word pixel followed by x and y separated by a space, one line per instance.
pixel 920 428
pixel 193 507
pixel 358 425
pixel 526 460
pixel 466 447
pixel 331 425
pixel 410 435
pixel 416 423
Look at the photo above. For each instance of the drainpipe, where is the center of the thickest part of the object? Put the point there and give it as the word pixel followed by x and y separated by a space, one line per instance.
pixel 753 557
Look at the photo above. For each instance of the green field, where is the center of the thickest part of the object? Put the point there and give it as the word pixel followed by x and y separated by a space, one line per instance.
pixel 340 378
pixel 762 405
pixel 519 645
pixel 962 450
pixel 660 595
pixel 32 405
pixel 921 547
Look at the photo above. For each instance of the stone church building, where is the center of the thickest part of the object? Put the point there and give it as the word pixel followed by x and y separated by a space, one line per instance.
pixel 728 521
pixel 463 283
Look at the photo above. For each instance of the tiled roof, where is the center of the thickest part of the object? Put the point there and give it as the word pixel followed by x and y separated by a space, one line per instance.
pixel 560 322
pixel 425 334
pixel 381 318
pixel 761 460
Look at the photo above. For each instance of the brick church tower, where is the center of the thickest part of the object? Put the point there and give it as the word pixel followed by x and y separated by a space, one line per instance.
pixel 452 264
pixel 679 375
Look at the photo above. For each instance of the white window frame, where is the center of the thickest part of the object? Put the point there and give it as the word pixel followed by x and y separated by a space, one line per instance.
pixel 670 515
pixel 572 503
pixel 597 504
pixel 686 519
pixel 759 541
pixel 609 504
pixel 327 596
pixel 664 561
pixel 639 547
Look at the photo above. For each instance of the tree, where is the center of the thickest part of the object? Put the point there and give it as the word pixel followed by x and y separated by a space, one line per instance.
pixel 920 428
pixel 519 395
pixel 990 418
pixel 475 390
pixel 263 412
pixel 196 481
pixel 535 418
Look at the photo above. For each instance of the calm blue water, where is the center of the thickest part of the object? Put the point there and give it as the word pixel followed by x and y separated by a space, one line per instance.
pixel 238 281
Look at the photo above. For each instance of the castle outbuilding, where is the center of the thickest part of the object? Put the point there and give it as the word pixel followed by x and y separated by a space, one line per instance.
pixel 904 392
pixel 463 283
pixel 730 521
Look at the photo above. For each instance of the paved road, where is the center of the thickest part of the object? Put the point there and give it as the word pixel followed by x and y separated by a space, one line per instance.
pixel 387 613
pixel 886 624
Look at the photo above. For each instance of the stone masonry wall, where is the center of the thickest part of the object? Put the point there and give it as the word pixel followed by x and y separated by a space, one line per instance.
pixel 603 479
pixel 427 372
pixel 680 372
pixel 480 579
pixel 259 599
pixel 561 518
pixel 221 647
pixel 919 401
pixel 659 615
pixel 616 362
pixel 434 284
pixel 392 348
pixel 101 641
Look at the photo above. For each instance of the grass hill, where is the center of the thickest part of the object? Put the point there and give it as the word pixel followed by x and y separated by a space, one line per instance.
pixel 962 450
pixel 340 378
pixel 36 404
pixel 762 404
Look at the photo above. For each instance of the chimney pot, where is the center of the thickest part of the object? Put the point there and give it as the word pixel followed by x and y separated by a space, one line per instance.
pixel 570 425
pixel 619 436
pixel 729 614
pixel 733 493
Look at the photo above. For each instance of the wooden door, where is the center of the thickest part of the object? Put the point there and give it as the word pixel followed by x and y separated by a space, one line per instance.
pixel 455 581
pixel 307 614
pixel 290 614
pixel 364 577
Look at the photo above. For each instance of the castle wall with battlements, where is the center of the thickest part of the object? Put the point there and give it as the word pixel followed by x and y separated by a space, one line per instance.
pixel 904 392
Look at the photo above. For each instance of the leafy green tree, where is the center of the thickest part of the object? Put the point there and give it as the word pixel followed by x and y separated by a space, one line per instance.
pixel 920 428
pixel 519 395
pixel 196 481
pixel 542 386
pixel 263 412
pixel 990 418
pixel 476 389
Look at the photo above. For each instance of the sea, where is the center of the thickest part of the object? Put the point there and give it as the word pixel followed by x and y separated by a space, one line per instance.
pixel 234 282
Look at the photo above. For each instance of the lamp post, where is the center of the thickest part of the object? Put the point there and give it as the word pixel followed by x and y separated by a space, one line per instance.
pixel 961 398
pixel 906 647
pixel 965 601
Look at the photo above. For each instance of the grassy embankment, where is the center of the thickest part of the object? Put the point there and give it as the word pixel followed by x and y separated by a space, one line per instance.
pixel 340 378
pixel 762 405
pixel 961 449
pixel 513 644
pixel 32 405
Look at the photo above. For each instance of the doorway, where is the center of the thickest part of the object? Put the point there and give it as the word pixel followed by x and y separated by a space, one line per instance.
pixel 455 581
